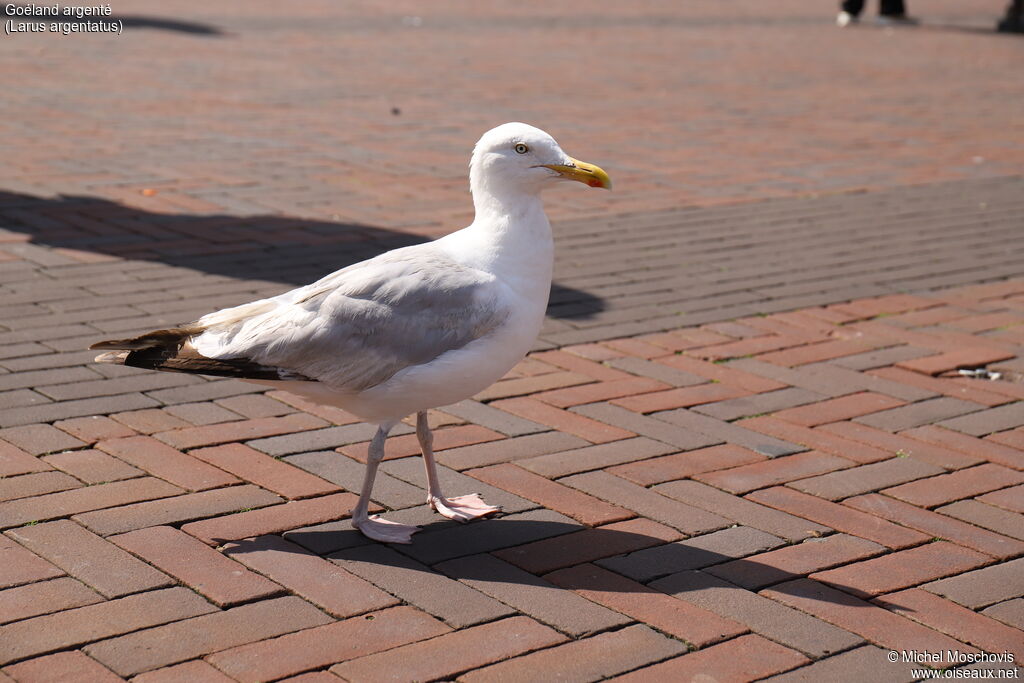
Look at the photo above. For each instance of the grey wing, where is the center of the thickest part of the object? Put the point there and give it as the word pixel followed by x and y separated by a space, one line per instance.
pixel 359 326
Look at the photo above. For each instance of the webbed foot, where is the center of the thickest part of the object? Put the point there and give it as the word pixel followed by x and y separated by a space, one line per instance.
pixel 462 508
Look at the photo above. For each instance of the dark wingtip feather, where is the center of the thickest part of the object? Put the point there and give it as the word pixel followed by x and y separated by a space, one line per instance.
pixel 173 336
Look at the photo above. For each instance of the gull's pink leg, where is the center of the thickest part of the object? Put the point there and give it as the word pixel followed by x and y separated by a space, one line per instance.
pixel 460 508
pixel 375 527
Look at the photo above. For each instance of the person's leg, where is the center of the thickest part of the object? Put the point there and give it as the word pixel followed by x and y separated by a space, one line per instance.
pixel 891 8
pixel 852 7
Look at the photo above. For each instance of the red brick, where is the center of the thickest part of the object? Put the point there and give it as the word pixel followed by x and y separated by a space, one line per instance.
pixel 447 655
pixel 839 517
pixel 532 596
pixel 324 645
pixel 973 446
pixel 696 552
pixel 794 561
pixel 1009 499
pixel 1013 438
pixel 92 466
pixel 957 485
pixel 149 420
pixel 39 439
pixel 959 622
pixel 530 367
pixel 14 461
pixel 589 659
pixel 260 469
pixel 272 520
pixel 942 385
pixel 52 505
pixel 983 587
pixel 89 558
pixel 183 640
pixel 507 388
pixel 682 397
pixel 594 352
pixel 771 619
pixel 930 316
pixel 177 509
pixel 333 415
pixel 587 545
pixel 890 303
pixel 1013 391
pixel 836 409
pixel 741 510
pixel 744 658
pixel 167 463
pixel 36 484
pixel 202 413
pixel 682 465
pixel 583 366
pixel 560 462
pixel 67 667
pixel 528 447
pixel 774 471
pixel 987 516
pixel 583 427
pixel 816 439
pixel 865 478
pixel 255 406
pixel 600 391
pixel 18 565
pixel 650 503
pixel 813 353
pixel 693 337
pixel 898 444
pixel 667 614
pixel 39 635
pixel 312 677
pixel 319 581
pixel 93 429
pixel 936 525
pixel 746 347
pixel 722 373
pixel 406 445
pixel 954 360
pixel 196 565
pixel 635 347
pixel 552 495
pixel 210 435
pixel 853 614
pixel 901 569
pixel 415 583
pixel 196 671
pixel 1010 612
pixel 986 322
pixel 44 597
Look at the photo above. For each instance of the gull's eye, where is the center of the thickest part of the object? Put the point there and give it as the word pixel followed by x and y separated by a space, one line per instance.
pixel 522 149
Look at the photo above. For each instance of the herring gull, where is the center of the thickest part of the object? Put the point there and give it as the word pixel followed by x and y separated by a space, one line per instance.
pixel 414 328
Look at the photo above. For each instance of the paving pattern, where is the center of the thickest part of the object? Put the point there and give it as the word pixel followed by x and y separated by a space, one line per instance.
pixel 773 428
pixel 799 492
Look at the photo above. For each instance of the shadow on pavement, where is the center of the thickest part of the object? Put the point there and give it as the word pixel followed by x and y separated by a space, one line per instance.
pixel 287 250
pixel 129 21
pixel 497 551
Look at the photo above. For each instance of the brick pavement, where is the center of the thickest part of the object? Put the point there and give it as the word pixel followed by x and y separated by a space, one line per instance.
pixel 764 464
pixel 794 492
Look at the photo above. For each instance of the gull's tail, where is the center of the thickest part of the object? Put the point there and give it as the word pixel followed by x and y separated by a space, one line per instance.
pixel 171 350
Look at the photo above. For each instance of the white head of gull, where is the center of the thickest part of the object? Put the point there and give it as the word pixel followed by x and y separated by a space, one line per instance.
pixel 412 329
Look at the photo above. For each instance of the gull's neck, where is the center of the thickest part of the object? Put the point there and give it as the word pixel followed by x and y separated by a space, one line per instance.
pixel 509 236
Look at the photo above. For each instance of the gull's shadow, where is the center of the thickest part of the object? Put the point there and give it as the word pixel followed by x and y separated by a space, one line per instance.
pixel 496 551
pixel 288 250
pixel 128 21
